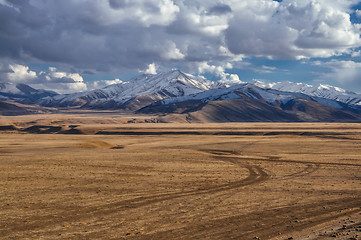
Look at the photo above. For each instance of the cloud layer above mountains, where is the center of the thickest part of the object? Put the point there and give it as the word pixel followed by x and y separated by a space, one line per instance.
pixel 198 35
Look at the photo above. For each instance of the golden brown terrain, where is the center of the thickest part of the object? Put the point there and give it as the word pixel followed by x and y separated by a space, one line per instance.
pixel 178 181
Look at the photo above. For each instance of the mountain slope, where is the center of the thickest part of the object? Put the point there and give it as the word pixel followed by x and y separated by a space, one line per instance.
pixel 136 93
pixel 247 102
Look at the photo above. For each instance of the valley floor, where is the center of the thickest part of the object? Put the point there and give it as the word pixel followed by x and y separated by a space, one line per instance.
pixel 179 181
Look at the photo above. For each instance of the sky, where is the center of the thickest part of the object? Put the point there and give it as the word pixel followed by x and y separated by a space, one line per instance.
pixel 78 45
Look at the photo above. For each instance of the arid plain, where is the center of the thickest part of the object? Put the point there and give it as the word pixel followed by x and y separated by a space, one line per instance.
pixel 106 177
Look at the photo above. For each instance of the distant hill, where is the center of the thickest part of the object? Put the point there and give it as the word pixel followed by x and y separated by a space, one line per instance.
pixel 23 93
pixel 9 109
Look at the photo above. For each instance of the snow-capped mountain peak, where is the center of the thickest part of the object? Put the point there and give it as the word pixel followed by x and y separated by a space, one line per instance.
pixel 151 87
pixel 321 90
pixel 175 82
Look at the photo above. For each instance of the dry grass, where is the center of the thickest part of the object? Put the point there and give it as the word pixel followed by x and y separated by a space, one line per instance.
pixel 180 186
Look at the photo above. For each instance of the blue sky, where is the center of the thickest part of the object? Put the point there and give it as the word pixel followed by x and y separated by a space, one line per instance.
pixel 79 45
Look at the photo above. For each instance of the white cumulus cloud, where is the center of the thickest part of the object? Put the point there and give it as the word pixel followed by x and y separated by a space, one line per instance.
pixel 20 74
pixel 152 69
pixel 343 73
pixel 51 79
pixel 204 67
pixel 292 29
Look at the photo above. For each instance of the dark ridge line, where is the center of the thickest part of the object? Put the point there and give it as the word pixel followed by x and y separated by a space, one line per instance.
pixel 150 133
pixel 8 128
pixel 222 133
pixel 50 129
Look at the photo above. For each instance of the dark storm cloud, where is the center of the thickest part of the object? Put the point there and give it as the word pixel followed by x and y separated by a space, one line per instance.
pixel 122 33
pixel 117 4
pixel 86 34
pixel 87 72
pixel 9 22
pixel 220 9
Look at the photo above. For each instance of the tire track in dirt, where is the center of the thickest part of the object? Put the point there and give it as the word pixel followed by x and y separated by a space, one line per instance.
pixel 277 159
pixel 256 175
pixel 310 168
pixel 274 221
pixel 314 215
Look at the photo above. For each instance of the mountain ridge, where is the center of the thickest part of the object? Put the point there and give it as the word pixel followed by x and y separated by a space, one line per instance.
pixel 320 90
pixel 248 102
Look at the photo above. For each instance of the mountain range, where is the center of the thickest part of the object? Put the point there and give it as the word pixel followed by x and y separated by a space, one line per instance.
pixel 136 93
pixel 178 96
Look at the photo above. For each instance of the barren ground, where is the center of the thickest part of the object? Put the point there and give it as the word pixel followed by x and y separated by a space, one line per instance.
pixel 179 181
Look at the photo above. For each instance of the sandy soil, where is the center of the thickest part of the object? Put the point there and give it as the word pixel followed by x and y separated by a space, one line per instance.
pixel 200 182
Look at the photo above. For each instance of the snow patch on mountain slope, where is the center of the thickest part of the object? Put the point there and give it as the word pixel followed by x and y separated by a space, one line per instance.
pixel 270 96
pixel 230 93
